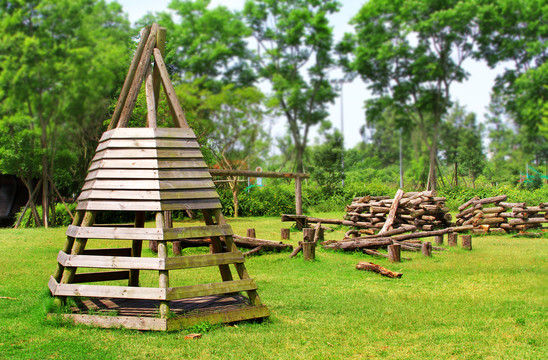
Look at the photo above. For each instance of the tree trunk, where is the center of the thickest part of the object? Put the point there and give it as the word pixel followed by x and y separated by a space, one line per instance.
pixel 432 170
pixel 234 189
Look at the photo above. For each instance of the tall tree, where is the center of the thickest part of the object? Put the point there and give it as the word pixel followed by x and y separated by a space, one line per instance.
pixel 410 53
pixel 462 143
pixel 515 33
pixel 294 53
pixel 206 43
pixel 68 62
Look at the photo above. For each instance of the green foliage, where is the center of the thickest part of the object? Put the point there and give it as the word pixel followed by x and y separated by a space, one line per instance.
pixel 411 75
pixel 326 161
pixel 294 36
pixel 503 38
pixel 458 195
pixel 69 56
pixel 267 201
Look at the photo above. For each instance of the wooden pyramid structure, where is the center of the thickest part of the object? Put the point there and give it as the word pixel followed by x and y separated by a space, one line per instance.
pixel 150 170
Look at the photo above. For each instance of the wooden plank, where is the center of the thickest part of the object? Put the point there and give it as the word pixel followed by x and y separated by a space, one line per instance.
pixel 225 316
pixel 151 101
pixel 266 174
pixel 148 143
pixel 225 287
pixel 148 195
pixel 147 154
pixel 194 261
pixel 147 164
pixel 145 174
pixel 142 67
pixel 115 233
pixel 101 276
pixel 123 233
pixel 116 322
pixel 192 232
pixel 122 292
pixel 148 174
pixel 182 184
pixel 171 96
pixel 110 252
pixel 111 262
pixel 149 205
pixel 145 32
pixel 148 133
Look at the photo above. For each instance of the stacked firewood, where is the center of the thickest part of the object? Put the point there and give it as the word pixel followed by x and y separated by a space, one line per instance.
pixel 495 215
pixel 423 209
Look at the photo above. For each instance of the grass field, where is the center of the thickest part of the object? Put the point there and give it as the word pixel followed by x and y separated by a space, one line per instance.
pixel 488 303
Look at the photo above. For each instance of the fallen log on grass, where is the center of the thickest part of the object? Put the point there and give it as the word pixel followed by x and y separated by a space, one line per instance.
pixel 376 253
pixel 381 242
pixel 368 266
pixel 252 243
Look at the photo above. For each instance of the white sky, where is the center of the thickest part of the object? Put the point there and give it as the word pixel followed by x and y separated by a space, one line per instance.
pixel 474 94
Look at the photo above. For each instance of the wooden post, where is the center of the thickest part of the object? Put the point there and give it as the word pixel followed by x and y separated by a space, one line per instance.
pixel 439 239
pixel 394 253
pixel 163 274
pixel 466 242
pixel 426 248
pixel 452 239
pixel 309 251
pixel 251 233
pixel 176 248
pixel 309 247
pixel 136 248
pixel 285 234
pixel 298 197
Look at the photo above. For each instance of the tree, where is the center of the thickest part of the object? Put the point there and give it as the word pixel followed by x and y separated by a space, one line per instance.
pixel 326 158
pixel 515 33
pixel 68 61
pixel 294 53
pixel 206 44
pixel 461 142
pixel 410 53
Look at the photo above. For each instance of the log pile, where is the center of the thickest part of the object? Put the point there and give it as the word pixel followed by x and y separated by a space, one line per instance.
pixel 495 215
pixel 422 209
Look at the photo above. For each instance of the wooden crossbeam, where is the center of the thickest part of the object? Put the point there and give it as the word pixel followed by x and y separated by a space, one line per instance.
pixel 177 111
pixel 144 63
pixel 145 32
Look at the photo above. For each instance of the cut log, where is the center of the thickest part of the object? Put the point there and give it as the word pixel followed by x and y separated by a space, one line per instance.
pixel 309 251
pixel 468 203
pixel 392 212
pixel 466 242
pixel 512 205
pixel 438 239
pixel 252 243
pixel 394 253
pixel 368 266
pixel 426 248
pixel 491 200
pixel 251 233
pixel 452 239
pixel 284 233
pixel 527 221
pixel 253 251
pixel 296 250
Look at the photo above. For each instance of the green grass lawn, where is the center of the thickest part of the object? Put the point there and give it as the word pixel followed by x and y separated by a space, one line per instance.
pixel 488 303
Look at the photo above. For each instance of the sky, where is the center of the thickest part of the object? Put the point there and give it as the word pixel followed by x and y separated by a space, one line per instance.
pixel 474 93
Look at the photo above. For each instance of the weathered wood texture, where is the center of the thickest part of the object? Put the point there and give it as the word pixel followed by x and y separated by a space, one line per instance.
pixel 394 252
pixel 368 266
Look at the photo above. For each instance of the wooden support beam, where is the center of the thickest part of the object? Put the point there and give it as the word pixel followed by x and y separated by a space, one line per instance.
pixel 142 68
pixel 145 32
pixel 174 105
